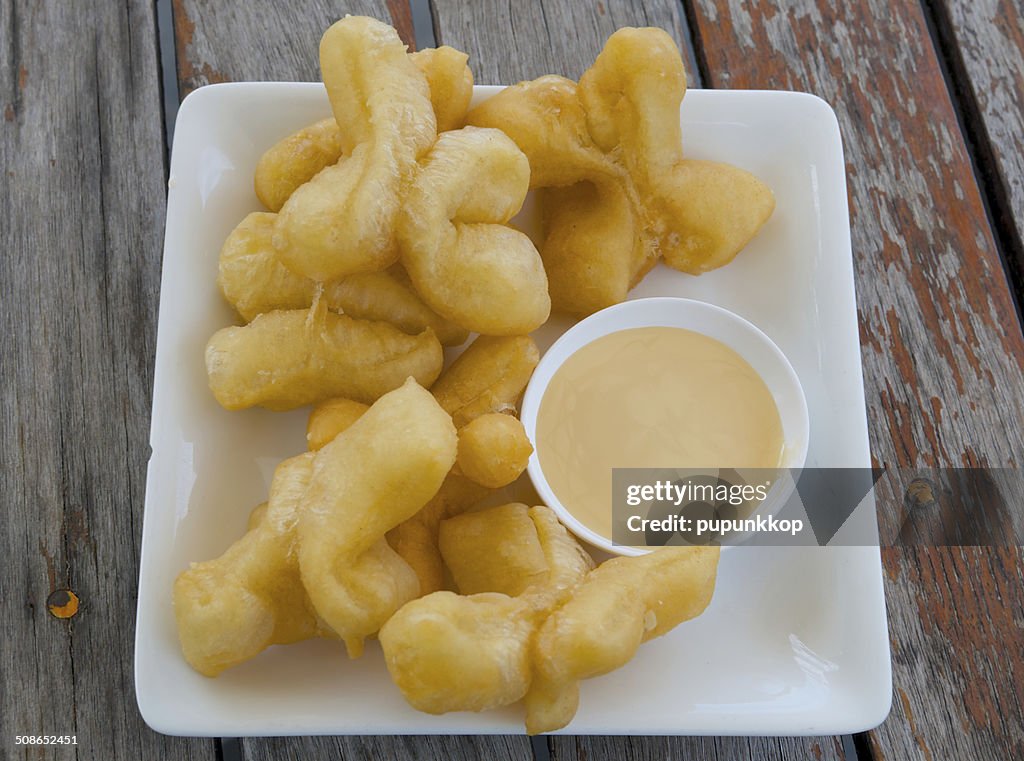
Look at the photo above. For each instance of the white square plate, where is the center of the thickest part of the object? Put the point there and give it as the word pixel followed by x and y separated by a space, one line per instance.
pixel 795 640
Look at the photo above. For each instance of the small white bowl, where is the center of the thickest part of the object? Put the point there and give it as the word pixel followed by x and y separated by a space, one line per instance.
pixel 735 332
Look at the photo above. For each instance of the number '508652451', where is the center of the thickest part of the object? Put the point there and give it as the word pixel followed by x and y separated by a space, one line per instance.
pixel 45 740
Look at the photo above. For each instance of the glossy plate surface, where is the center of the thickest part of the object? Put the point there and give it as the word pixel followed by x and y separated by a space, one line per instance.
pixel 795 640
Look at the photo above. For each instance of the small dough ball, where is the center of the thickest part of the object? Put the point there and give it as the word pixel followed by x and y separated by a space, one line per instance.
pixel 493 450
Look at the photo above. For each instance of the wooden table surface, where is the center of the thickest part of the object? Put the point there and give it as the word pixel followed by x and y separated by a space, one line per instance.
pixel 929 97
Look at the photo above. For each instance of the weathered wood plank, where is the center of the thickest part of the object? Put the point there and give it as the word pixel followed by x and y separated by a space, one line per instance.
pixel 82 225
pixel 957 623
pixel 508 43
pixel 988 36
pixel 265 40
pixel 420 748
pixel 941 345
pixel 566 748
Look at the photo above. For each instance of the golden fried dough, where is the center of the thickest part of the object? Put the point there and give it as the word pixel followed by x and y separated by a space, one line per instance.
pixel 330 418
pixel 450 81
pixel 489 376
pixel 620 194
pixel 566 560
pixel 232 608
pixel 496 447
pixel 415 539
pixel 254 281
pixel 706 211
pixel 466 264
pixel 342 221
pixel 619 605
pixel 299 157
pixel 373 476
pixel 493 450
pixel 568 623
pixel 295 160
pixel 282 360
pixel 447 652
pixel 545 118
pixel 595 240
pixel 593 252
pixel 493 550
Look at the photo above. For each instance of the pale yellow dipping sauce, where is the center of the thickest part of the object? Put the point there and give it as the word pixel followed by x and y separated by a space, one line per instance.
pixel 650 398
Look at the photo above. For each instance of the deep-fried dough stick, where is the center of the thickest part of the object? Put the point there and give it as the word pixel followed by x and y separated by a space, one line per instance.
pixel 282 360
pixel 489 376
pixel 619 605
pixel 342 221
pixel 596 242
pixel 254 282
pixel 493 550
pixel 622 193
pixel 450 81
pixel 448 652
pixel 232 608
pixel 377 473
pixel 705 211
pixel 493 451
pixel 539 645
pixel 464 261
pixel 297 158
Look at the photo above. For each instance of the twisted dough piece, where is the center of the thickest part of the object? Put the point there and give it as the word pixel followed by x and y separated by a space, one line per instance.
pixel 462 258
pixel 448 652
pixel 619 605
pixel 232 608
pixel 596 240
pixel 471 653
pixel 704 212
pixel 376 474
pixel 287 359
pixel 254 282
pixel 297 158
pixel 342 221
pixel 487 379
pixel 617 193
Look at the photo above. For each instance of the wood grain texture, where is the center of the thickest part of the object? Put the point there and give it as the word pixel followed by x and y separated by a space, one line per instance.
pixel 82 224
pixel 264 40
pixel 508 42
pixel 989 41
pixel 592 748
pixel 370 748
pixel 941 346
pixel 957 630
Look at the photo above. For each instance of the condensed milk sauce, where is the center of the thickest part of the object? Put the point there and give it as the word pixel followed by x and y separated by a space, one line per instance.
pixel 655 397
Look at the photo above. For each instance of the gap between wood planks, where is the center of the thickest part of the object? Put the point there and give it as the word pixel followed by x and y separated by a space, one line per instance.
pixel 995 196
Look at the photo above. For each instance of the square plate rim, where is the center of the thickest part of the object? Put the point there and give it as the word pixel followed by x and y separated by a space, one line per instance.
pixel 872 712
